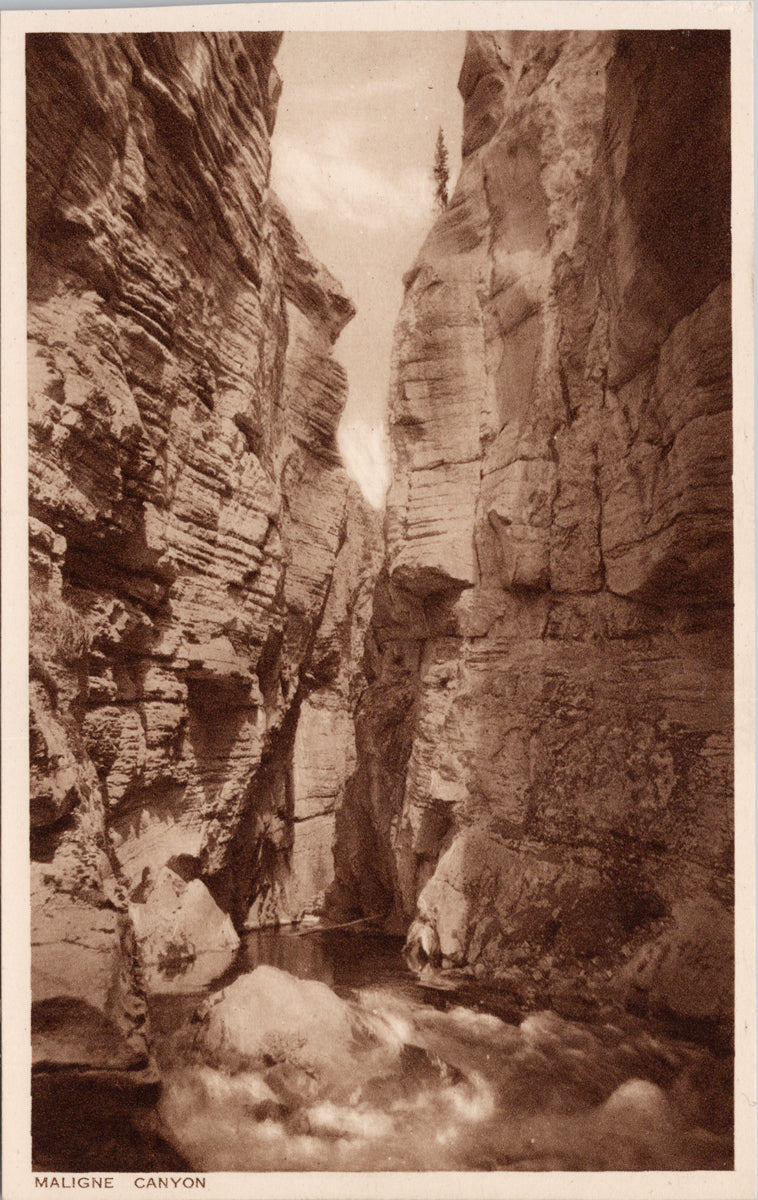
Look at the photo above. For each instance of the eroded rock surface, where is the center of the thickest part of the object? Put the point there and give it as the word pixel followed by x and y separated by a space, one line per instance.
pixel 194 586
pixel 546 746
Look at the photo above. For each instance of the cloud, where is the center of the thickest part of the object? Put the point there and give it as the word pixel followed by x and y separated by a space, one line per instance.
pixel 325 177
pixel 365 453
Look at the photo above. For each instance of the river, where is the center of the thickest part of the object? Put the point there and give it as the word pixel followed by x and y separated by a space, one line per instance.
pixel 455 1079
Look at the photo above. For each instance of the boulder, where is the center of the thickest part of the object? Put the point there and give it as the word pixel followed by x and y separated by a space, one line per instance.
pixel 687 971
pixel 269 1020
pixel 184 938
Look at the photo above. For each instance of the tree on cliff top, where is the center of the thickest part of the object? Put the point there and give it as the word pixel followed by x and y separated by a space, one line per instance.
pixel 441 172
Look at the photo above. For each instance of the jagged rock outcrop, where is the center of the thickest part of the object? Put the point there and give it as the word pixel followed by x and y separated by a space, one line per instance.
pixel 546 747
pixel 194 587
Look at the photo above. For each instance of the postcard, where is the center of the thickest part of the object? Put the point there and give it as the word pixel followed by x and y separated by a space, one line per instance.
pixel 378 601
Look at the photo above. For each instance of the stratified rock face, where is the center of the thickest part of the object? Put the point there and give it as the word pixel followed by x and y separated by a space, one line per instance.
pixel 547 745
pixel 188 509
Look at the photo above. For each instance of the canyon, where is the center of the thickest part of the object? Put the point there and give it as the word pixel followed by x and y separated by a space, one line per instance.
pixel 498 718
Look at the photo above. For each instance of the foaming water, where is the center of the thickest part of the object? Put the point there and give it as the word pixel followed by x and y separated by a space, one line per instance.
pixel 422 1081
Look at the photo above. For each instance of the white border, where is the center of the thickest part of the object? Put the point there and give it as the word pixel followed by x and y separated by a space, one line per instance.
pixel 18 1184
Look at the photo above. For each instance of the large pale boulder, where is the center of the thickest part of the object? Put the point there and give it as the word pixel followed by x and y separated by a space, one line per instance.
pixel 269 1020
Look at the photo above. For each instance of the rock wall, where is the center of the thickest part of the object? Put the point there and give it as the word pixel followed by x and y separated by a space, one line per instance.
pixel 546 746
pixel 194 586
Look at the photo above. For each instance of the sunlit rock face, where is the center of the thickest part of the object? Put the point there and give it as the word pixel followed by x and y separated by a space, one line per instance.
pixel 194 586
pixel 546 748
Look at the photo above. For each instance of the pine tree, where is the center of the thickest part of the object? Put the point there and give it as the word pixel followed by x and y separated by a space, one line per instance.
pixel 441 172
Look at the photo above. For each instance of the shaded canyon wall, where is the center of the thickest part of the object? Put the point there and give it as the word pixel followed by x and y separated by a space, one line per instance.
pixel 545 774
pixel 200 565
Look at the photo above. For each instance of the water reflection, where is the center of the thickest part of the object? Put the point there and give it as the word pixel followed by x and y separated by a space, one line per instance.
pixel 306 955
pixel 187 976
pixel 343 960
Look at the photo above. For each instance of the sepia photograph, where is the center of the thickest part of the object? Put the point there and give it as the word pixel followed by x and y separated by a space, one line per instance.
pixel 383 443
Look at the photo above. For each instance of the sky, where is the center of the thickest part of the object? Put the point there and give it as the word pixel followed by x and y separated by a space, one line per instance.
pixel 353 152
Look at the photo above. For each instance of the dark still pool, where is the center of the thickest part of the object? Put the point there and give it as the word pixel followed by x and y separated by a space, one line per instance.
pixel 323 1052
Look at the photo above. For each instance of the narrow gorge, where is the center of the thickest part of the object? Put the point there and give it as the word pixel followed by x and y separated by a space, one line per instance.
pixel 492 725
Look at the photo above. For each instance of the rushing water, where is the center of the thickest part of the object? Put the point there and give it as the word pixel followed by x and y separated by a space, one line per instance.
pixel 442 1080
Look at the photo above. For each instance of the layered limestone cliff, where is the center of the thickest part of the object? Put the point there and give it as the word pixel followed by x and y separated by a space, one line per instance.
pixel 545 777
pixel 196 584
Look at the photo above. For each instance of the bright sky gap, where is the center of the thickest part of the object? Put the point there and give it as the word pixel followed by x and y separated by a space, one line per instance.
pixel 353 152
